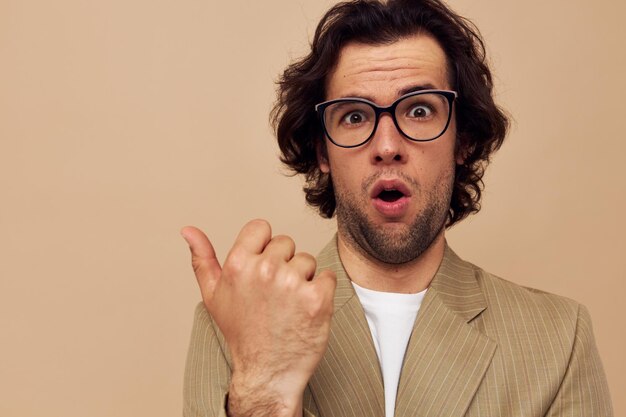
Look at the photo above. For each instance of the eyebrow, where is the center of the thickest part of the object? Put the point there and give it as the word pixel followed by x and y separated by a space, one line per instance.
pixel 402 92
pixel 414 88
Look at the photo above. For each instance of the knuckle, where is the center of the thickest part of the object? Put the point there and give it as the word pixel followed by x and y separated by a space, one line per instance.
pixel 306 257
pixel 267 269
pixel 306 260
pixel 291 281
pixel 284 240
pixel 235 262
pixel 307 265
pixel 232 270
pixel 316 305
pixel 196 265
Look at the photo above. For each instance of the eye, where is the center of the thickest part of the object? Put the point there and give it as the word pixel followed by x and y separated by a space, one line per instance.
pixel 420 111
pixel 354 118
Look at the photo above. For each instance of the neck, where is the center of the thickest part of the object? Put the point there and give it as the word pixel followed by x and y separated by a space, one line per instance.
pixel 408 278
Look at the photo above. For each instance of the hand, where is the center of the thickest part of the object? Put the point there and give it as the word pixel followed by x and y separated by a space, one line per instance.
pixel 275 316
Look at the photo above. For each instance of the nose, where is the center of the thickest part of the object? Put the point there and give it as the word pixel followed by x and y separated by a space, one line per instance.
pixel 388 145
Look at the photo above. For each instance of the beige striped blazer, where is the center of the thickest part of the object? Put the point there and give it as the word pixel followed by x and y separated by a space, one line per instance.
pixel 480 346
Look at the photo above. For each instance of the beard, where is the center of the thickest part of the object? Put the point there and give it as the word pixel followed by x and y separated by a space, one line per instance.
pixel 394 243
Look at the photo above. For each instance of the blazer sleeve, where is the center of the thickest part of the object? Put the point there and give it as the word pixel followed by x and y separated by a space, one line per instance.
pixel 207 373
pixel 584 391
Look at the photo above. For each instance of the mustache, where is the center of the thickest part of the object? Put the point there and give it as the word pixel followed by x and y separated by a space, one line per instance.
pixel 369 181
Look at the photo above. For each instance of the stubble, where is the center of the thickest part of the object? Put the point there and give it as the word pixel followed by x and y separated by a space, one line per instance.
pixel 394 243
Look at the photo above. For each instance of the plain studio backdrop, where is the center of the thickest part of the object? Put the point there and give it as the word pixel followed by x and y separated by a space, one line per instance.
pixel 122 121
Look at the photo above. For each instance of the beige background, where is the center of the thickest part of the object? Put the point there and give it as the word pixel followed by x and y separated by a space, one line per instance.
pixel 121 121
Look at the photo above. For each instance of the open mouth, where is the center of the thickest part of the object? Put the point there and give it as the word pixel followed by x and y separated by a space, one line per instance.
pixel 389 196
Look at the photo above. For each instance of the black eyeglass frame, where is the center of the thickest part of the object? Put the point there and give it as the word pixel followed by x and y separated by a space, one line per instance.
pixel 391 109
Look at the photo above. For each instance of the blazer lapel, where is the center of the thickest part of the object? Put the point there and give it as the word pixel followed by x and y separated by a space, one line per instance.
pixel 445 361
pixel 446 358
pixel 348 381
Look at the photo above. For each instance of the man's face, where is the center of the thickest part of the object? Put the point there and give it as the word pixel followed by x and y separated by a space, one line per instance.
pixel 392 227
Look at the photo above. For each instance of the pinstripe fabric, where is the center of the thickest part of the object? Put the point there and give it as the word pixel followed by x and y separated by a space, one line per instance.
pixel 481 346
pixel 207 372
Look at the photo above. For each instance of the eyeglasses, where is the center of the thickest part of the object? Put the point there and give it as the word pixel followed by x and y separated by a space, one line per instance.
pixel 420 116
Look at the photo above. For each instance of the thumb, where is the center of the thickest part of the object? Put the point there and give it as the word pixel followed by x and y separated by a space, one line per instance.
pixel 203 260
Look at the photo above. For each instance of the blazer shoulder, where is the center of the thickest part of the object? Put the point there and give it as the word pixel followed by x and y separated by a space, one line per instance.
pixel 544 340
pixel 530 308
pixel 496 287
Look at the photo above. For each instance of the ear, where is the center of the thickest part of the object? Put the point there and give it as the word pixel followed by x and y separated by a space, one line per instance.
pixel 461 152
pixel 322 157
pixel 461 156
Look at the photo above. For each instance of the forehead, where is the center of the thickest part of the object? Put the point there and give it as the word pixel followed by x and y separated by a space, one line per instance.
pixel 382 72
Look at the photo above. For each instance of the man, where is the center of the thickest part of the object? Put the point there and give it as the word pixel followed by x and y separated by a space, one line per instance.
pixel 391 119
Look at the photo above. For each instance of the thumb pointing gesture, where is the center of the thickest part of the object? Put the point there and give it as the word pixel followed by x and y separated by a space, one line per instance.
pixel 203 260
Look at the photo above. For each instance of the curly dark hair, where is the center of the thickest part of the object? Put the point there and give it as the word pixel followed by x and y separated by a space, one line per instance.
pixel 481 124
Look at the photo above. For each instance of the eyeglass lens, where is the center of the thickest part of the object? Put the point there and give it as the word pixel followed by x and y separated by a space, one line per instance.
pixel 420 117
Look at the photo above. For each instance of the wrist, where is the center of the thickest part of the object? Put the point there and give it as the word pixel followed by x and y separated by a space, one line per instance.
pixel 252 397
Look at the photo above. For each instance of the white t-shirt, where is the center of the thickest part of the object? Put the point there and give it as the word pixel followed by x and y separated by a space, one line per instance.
pixel 390 317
